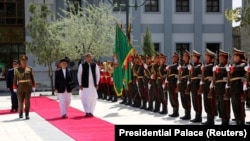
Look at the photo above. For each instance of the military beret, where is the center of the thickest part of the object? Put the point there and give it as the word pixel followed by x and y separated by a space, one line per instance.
pixel 24 57
pixel 210 53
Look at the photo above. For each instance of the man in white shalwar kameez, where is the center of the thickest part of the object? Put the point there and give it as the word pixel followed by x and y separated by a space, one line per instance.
pixel 88 79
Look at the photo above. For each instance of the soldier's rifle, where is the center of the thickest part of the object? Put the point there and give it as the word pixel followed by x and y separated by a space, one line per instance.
pixel 179 75
pixel 211 90
pixel 227 92
pixel 188 89
pixel 201 88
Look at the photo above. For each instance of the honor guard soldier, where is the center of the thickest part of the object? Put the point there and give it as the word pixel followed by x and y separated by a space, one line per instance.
pixel 24 84
pixel 147 67
pixel 133 89
pixel 219 84
pixel 101 89
pixel 153 88
pixel 237 73
pixel 209 97
pixel 195 85
pixel 246 86
pixel 172 84
pixel 111 82
pixel 161 86
pixel 139 82
pixel 185 97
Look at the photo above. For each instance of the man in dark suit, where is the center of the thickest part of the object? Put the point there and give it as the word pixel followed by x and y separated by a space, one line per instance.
pixel 62 87
pixel 9 84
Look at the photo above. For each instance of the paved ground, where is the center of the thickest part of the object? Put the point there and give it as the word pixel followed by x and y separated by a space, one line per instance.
pixel 37 129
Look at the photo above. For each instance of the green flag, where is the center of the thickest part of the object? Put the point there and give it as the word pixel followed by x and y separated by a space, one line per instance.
pixel 122 72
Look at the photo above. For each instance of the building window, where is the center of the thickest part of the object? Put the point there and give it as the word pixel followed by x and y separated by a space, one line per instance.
pixel 152 6
pixel 182 5
pixel 120 5
pixel 74 5
pixel 213 5
pixel 181 47
pixel 12 12
pixel 157 47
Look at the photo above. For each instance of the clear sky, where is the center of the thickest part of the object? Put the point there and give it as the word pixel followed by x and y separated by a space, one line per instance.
pixel 236 3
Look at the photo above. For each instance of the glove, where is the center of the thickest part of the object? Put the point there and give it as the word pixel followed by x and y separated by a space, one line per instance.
pixel 188 82
pixel 149 85
pixel 202 67
pixel 189 67
pixel 145 66
pixel 33 89
pixel 178 82
pixel 246 68
pixel 214 68
pixel 167 67
pixel 15 90
pixel 201 83
pixel 228 68
pixel 211 86
pixel 179 67
pixel 227 86
pixel 163 86
pixel 166 80
pixel 244 86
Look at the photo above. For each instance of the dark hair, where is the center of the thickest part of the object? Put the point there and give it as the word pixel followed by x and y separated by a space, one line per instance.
pixel 16 61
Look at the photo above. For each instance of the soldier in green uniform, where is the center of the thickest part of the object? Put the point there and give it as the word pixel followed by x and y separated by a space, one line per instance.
pixel 161 87
pixel 24 84
pixel 153 81
pixel 219 85
pixel 195 85
pixel 146 81
pixel 237 74
pixel 172 85
pixel 209 98
pixel 185 97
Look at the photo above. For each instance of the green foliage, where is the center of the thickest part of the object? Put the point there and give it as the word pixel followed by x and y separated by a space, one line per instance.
pixel 86 29
pixel 148 46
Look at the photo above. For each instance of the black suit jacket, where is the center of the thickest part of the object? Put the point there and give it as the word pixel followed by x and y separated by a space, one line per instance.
pixel 61 83
pixel 9 78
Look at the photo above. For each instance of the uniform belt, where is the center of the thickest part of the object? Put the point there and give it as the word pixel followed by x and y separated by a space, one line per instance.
pixel 220 81
pixel 236 78
pixel 23 81
pixel 139 76
pixel 183 77
pixel 171 75
pixel 209 78
pixel 195 78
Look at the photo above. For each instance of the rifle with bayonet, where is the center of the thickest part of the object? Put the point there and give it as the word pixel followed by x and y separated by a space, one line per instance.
pixel 247 89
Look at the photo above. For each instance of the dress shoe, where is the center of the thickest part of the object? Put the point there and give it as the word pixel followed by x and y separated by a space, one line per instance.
pixel 208 123
pixel 156 110
pixel 150 108
pixel 196 120
pixel 87 115
pixel 91 115
pixel 164 112
pixel 12 110
pixel 20 115
pixel 248 122
pixel 27 117
pixel 185 117
pixel 123 102
pixel 174 115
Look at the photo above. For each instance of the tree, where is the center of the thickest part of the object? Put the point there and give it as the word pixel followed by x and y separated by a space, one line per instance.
pixel 43 44
pixel 86 29
pixel 148 46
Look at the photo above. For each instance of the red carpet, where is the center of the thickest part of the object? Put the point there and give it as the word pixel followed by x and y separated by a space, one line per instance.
pixel 76 125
